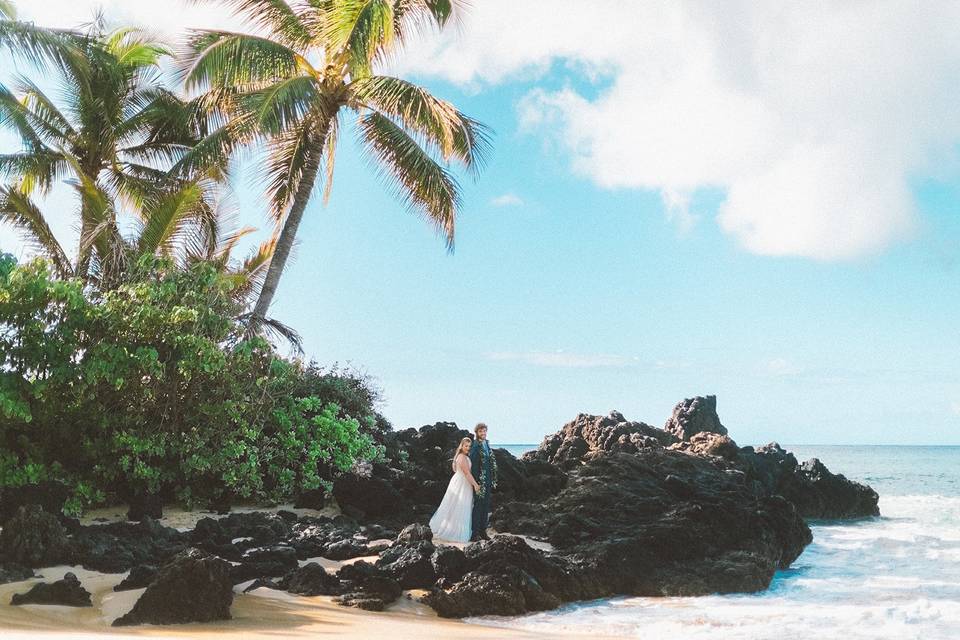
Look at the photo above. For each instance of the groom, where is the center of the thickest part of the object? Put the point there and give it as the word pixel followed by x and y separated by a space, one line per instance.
pixel 483 466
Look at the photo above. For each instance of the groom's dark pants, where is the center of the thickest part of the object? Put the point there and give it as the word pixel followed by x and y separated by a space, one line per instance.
pixel 481 513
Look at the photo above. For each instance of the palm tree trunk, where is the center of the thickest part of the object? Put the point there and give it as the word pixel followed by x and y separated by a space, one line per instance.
pixel 288 233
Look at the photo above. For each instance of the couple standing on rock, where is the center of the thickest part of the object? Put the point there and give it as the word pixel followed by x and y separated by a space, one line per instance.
pixel 465 509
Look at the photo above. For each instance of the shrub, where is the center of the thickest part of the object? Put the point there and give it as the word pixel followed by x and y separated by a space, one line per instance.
pixel 152 387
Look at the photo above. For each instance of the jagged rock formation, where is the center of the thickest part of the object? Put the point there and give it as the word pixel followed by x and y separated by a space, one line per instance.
pixel 193 587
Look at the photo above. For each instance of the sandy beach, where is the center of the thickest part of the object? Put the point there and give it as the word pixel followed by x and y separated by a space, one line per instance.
pixel 261 614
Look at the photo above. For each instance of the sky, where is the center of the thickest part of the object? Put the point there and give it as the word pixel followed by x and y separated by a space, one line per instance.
pixel 753 200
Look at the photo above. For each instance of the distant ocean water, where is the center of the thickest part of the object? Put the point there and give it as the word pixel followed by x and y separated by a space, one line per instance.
pixel 896 577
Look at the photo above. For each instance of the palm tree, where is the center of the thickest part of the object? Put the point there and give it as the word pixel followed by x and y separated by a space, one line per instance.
pixel 113 134
pixel 7 10
pixel 288 87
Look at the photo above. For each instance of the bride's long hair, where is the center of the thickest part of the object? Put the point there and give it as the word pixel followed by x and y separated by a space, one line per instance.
pixel 459 450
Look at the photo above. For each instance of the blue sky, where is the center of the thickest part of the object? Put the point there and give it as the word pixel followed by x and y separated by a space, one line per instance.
pixel 606 261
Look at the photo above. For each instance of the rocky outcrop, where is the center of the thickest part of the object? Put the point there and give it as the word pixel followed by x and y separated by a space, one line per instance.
pixel 120 546
pixel 507 577
pixel 34 538
pixel 693 416
pixel 193 587
pixel 816 492
pixel 311 580
pixel 268 562
pixel 664 523
pixel 367 587
pixel 67 592
pixel 410 564
pixel 588 434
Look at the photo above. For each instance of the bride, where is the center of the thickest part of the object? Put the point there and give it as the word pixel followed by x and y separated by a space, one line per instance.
pixel 452 519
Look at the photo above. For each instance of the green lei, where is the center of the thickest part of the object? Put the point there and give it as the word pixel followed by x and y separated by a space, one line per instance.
pixel 486 453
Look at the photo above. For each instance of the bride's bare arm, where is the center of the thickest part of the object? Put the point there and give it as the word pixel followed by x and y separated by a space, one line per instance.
pixel 462 465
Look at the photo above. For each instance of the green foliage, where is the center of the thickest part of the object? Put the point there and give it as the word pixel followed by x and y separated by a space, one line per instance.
pixel 151 387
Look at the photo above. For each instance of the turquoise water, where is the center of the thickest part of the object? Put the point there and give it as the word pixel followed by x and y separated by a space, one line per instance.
pixel 896 577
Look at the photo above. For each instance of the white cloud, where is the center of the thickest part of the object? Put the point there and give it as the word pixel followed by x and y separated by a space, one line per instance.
pixel 780 367
pixel 811 118
pixel 507 200
pixel 562 359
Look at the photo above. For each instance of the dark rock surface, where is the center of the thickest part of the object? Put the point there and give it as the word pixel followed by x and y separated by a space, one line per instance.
pixel 410 564
pixel 508 577
pixel 311 580
pixel 270 562
pixel 193 587
pixel 34 538
pixel 67 592
pixel 367 587
pixel 415 533
pixel 120 546
pixel 140 576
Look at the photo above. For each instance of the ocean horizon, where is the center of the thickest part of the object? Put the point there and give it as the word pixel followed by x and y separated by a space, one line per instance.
pixel 893 577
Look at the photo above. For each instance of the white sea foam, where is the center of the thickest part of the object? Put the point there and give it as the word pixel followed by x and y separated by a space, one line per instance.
pixel 896 577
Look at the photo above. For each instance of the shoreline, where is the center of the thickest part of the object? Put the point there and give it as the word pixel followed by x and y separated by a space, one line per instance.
pixel 262 614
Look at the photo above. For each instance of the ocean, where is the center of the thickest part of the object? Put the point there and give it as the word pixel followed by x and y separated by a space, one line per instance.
pixel 896 577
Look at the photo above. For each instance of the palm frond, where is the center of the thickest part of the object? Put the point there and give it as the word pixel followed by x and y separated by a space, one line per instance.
pixel 7 10
pixel 43 113
pixel 436 122
pixel 39 45
pixel 35 171
pixel 228 59
pixel 362 30
pixel 281 106
pixel 275 16
pixel 18 210
pixel 169 218
pixel 416 177
pixel 291 157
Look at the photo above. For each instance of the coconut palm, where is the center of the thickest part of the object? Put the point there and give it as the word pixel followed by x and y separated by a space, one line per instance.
pixel 112 135
pixel 7 10
pixel 288 87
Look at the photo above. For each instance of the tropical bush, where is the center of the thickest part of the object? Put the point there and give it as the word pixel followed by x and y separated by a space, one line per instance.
pixel 153 387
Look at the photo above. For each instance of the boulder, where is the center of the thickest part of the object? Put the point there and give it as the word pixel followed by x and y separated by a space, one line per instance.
pixel 120 546
pixel 415 533
pixel 346 549
pixel 508 577
pixel 367 587
pixel 695 415
pixel 34 538
pixel 193 587
pixel 311 580
pixel 263 563
pixel 409 564
pixel 67 592
pixel 139 577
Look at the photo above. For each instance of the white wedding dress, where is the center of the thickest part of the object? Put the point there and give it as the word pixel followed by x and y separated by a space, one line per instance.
pixel 452 520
